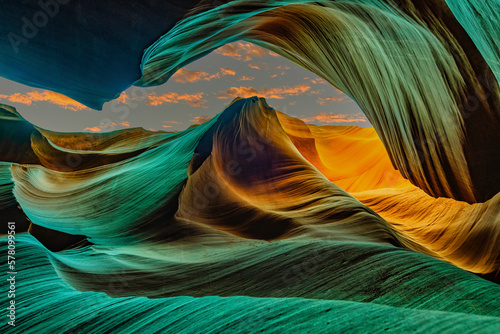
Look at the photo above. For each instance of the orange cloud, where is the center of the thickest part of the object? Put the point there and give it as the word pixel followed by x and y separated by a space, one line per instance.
pixel 268 67
pixel 245 78
pixel 166 126
pixel 319 81
pixel 93 129
pixel 123 98
pixel 269 93
pixel 336 118
pixel 45 96
pixel 243 51
pixel 328 100
pixel 185 75
pixel 194 100
pixel 254 66
pixel 201 119
pixel 104 126
pixel 108 126
pixel 227 71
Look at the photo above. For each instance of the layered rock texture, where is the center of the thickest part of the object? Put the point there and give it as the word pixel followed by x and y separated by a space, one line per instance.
pixel 256 221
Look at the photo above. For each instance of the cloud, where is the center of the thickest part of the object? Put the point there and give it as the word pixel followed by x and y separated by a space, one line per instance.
pixel 278 70
pixel 167 126
pixel 336 118
pixel 282 70
pixel 254 66
pixel 329 100
pixel 244 51
pixel 227 71
pixel 93 129
pixel 194 100
pixel 185 75
pixel 269 93
pixel 104 126
pixel 45 96
pixel 107 125
pixel 245 78
pixel 123 98
pixel 319 81
pixel 201 119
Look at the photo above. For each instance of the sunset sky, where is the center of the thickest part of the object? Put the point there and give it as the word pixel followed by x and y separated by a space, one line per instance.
pixel 195 94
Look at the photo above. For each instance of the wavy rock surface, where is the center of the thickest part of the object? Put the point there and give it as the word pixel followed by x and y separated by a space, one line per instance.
pixel 296 224
pixel 92 312
pixel 423 72
pixel 232 208
pixel 354 159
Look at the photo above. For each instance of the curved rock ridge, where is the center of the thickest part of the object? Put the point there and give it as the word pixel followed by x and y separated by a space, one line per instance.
pixel 413 70
pixel 255 213
pixel 219 175
pixel 424 72
pixel 237 179
pixel 481 20
pixel 354 159
pixel 361 284
pixel 242 207
pixel 87 50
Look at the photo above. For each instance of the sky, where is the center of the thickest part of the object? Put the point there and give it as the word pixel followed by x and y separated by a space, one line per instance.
pixel 195 94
